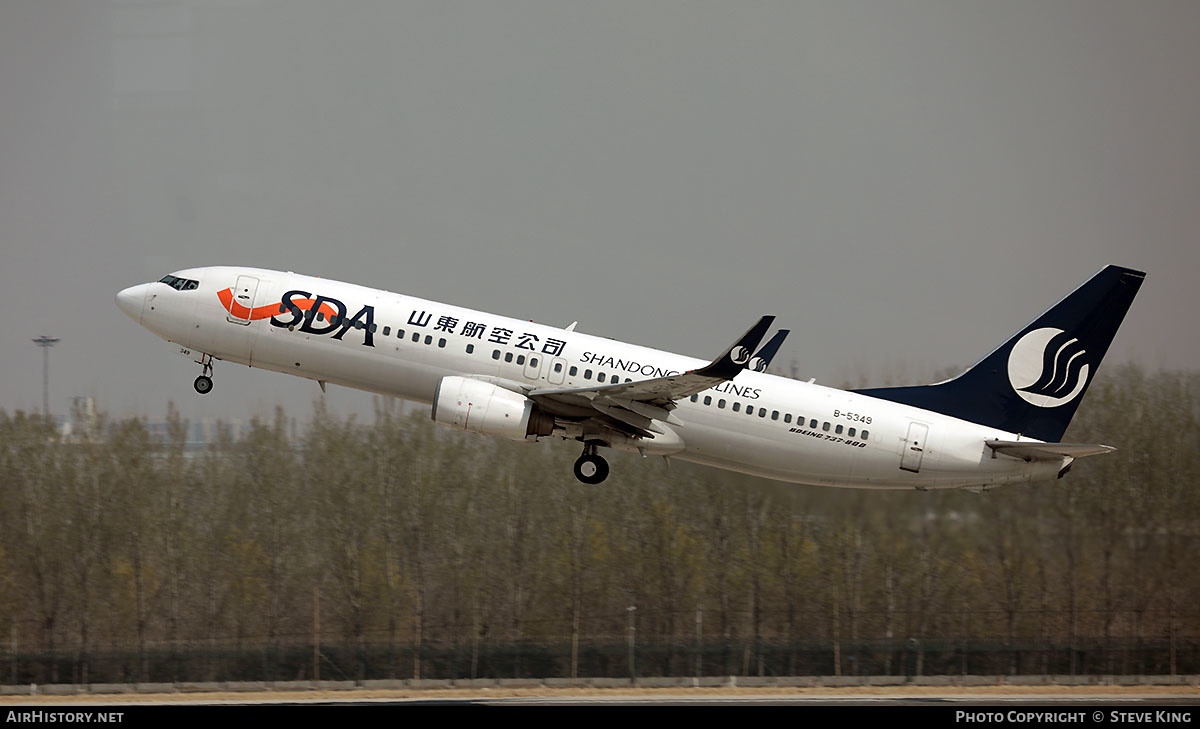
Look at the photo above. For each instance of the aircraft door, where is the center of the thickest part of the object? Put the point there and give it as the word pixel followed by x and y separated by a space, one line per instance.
pixel 914 447
pixel 241 306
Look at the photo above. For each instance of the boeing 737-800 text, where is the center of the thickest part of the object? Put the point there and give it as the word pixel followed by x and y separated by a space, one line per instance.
pixel 999 422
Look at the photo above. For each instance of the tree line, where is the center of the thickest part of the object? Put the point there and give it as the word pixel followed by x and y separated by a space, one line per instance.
pixel 397 548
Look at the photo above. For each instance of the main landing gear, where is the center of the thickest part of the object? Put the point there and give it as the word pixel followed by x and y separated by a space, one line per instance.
pixel 204 383
pixel 591 468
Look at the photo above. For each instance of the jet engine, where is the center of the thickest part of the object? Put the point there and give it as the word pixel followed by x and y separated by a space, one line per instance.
pixel 481 407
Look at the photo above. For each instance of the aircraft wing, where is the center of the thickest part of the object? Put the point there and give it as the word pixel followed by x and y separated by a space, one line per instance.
pixel 1033 451
pixel 630 407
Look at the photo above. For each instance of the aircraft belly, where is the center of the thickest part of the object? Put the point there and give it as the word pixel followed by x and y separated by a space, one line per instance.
pixel 347 363
pixel 766 449
pixel 772 450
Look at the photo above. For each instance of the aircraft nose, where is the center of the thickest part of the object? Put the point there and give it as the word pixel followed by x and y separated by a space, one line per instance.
pixel 131 300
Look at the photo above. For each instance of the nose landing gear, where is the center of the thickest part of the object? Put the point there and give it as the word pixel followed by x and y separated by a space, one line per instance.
pixel 591 468
pixel 204 383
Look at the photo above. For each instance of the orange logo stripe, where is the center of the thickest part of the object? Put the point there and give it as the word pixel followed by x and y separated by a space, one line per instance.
pixel 268 311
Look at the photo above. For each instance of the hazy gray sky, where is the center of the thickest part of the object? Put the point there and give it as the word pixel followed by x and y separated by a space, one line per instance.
pixel 904 184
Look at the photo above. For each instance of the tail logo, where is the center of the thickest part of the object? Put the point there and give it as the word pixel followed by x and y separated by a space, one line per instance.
pixel 1047 367
pixel 758 364
pixel 739 354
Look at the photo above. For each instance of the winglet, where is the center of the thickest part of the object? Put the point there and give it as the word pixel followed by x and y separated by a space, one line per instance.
pixel 734 359
pixel 763 359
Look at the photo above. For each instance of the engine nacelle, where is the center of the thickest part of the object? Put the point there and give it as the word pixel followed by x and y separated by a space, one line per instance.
pixel 481 407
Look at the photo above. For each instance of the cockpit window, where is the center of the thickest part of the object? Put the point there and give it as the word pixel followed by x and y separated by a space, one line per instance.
pixel 182 284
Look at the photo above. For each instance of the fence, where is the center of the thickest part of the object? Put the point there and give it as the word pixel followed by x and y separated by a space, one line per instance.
pixel 616 658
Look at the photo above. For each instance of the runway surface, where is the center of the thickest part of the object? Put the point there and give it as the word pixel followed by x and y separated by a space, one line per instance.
pixel 1103 697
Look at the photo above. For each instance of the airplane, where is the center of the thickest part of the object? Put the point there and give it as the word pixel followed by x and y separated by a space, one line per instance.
pixel 999 422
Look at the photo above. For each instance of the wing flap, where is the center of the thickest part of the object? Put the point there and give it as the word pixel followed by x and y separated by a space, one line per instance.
pixel 654 412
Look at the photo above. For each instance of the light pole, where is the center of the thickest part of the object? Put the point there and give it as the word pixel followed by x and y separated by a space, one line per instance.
pixel 46 343
pixel 632 643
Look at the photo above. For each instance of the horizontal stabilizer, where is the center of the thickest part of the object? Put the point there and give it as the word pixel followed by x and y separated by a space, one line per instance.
pixel 1032 451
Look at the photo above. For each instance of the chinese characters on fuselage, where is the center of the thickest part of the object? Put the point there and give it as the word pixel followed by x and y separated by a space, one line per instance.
pixel 326 315
pixel 499 335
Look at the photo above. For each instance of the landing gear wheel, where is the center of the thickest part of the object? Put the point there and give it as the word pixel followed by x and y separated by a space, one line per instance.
pixel 203 383
pixel 591 468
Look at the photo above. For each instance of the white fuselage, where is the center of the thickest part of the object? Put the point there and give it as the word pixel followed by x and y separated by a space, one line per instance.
pixel 795 431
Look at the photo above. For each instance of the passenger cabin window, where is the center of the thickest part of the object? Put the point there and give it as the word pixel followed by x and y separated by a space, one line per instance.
pixel 387 331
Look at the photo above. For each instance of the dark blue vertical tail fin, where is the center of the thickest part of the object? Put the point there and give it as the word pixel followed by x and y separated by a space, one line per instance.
pixel 1033 383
